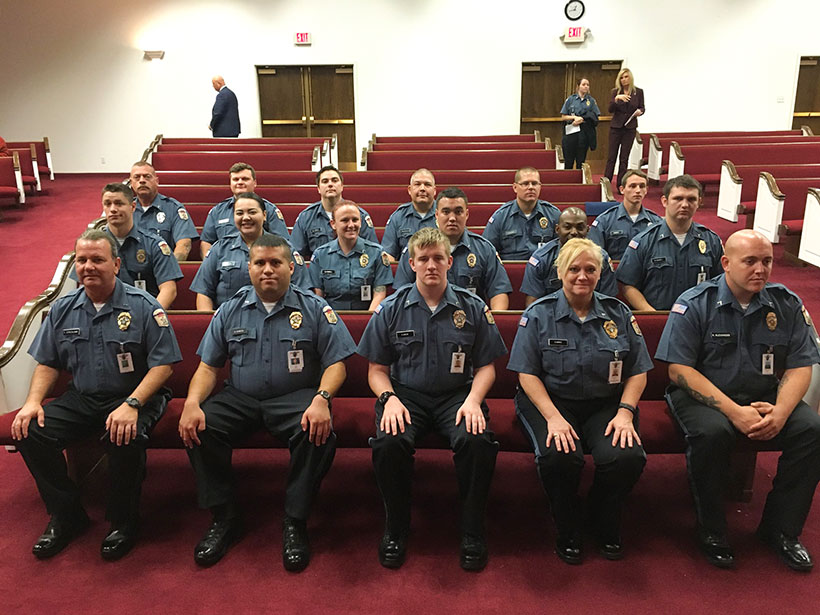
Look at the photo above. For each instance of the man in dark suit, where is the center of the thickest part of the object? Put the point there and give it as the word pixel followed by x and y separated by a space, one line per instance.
pixel 225 114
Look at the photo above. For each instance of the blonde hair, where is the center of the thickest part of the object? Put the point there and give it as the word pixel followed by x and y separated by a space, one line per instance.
pixel 425 238
pixel 618 88
pixel 573 249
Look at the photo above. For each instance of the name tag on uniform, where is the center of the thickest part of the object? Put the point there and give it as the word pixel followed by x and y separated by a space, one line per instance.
pixel 615 371
pixel 223 220
pixel 125 362
pixel 457 363
pixel 767 367
pixel 557 342
pixel 140 284
pixel 296 361
pixel 366 293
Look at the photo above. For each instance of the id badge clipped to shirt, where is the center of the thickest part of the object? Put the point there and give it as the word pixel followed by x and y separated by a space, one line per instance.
pixel 141 285
pixel 457 362
pixel 767 363
pixel 125 362
pixel 296 361
pixel 616 368
pixel 366 292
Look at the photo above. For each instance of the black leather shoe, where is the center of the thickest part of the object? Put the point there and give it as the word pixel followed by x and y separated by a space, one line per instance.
pixel 568 548
pixel 716 549
pixel 217 540
pixel 58 534
pixel 790 550
pixel 474 553
pixel 118 543
pixel 611 548
pixel 392 550
pixel 295 545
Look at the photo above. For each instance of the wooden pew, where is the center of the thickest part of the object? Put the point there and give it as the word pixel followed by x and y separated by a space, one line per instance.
pixel 461 139
pixel 809 250
pixel 780 205
pixel 472 146
pixel 43 155
pixel 460 160
pixel 9 189
pixel 221 161
pixel 28 167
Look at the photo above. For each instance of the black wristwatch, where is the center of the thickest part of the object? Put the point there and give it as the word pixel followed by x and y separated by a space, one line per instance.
pixel 325 395
pixel 134 403
pixel 385 396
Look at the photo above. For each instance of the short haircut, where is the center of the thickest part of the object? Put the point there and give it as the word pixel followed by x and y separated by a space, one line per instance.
pixel 452 193
pixel 342 203
pixel 525 170
pixel 94 234
pixel 682 181
pixel 572 210
pixel 252 196
pixel 425 238
pixel 629 173
pixel 124 189
pixel 573 249
pixel 144 163
pixel 242 166
pixel 272 240
pixel 423 170
pixel 329 167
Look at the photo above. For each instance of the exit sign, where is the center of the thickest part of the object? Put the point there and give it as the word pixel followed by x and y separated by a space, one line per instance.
pixel 301 38
pixel 574 34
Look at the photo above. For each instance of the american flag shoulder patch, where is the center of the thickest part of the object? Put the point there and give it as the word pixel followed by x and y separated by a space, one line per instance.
pixel 522 322
pixel 633 244
pixel 679 308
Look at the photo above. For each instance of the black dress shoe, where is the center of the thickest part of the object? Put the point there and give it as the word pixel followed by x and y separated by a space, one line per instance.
pixel 392 550
pixel 118 543
pixel 295 545
pixel 568 548
pixel 58 534
pixel 611 548
pixel 790 550
pixel 474 553
pixel 716 549
pixel 216 541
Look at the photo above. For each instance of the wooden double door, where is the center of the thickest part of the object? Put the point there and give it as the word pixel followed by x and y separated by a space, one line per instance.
pixel 309 101
pixel 546 85
pixel 807 97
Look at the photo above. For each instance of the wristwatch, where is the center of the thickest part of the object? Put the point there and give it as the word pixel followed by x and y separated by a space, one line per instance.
pixel 385 396
pixel 325 395
pixel 134 403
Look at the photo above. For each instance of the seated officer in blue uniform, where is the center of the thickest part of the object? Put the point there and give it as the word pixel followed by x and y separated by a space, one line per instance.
pixel 476 265
pixel 582 364
pixel 312 227
pixel 615 228
pixel 219 222
pixel 740 354
pixel 147 261
pixel 431 347
pixel 541 274
pixel 225 270
pixel 351 273
pixel 287 349
pixel 118 346
pixel 420 212
pixel 161 214
pixel 521 226
pixel 667 258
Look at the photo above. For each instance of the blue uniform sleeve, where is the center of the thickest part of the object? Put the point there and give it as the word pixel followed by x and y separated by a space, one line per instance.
pixel 495 278
pixel 488 344
pixel 182 226
pixel 334 340
pixel 44 347
pixel 367 231
pixel 638 360
pixel 717 252
pixel 565 109
pixel 534 283
pixel 404 274
pixel 315 272
pixel 298 237
pixel 630 269
pixel 390 239
pixel 209 228
pixel 165 266
pixel 160 341
pixel 525 356
pixel 682 335
pixel 492 230
pixel 608 284
pixel 803 350
pixel 376 343
pixel 213 349
pixel 276 221
pixel 207 277
pixel 383 274
pixel 301 277
pixel 596 232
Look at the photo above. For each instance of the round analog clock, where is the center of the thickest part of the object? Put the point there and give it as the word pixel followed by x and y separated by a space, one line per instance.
pixel 574 10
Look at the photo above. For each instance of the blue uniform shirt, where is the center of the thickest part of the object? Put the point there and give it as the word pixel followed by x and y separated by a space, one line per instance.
pixel 312 229
pixel 515 236
pixel 147 257
pixel 709 331
pixel 418 344
pixel 402 225
pixel 220 223
pixel 658 266
pixel 476 267
pixel 575 105
pixel 76 338
pixel 167 218
pixel 541 276
pixel 225 270
pixel 341 277
pixel 614 228
pixel 572 357
pixel 258 343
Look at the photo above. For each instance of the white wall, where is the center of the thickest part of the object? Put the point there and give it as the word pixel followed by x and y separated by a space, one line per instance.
pixel 74 71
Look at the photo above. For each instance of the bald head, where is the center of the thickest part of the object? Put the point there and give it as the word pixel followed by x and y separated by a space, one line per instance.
pixel 572 223
pixel 217 81
pixel 747 261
